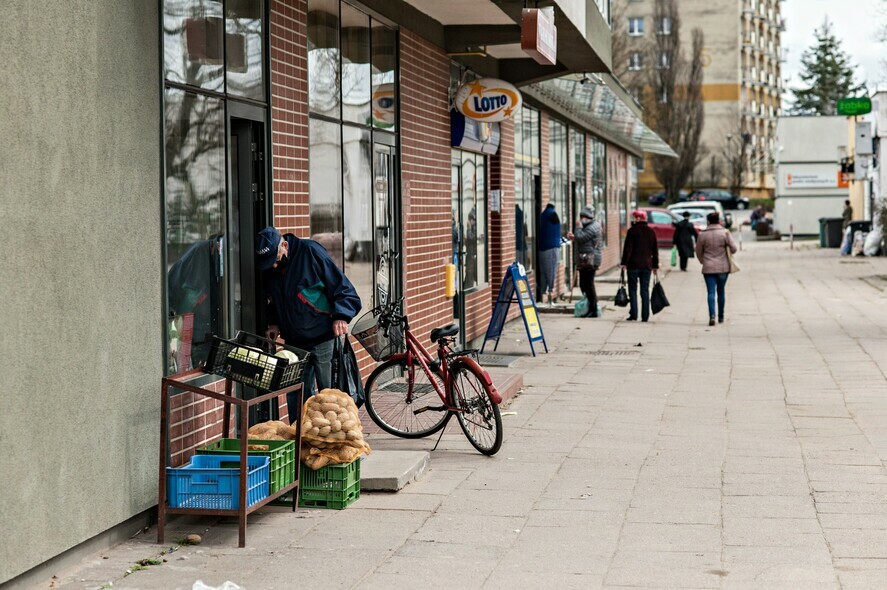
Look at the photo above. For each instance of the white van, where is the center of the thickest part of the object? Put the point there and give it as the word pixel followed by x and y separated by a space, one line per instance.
pixel 703 205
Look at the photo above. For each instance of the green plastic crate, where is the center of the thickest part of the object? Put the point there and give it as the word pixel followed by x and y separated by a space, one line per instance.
pixel 281 452
pixel 333 486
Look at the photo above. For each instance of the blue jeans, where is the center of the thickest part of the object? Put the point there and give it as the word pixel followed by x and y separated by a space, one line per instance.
pixel 642 275
pixel 716 281
pixel 318 368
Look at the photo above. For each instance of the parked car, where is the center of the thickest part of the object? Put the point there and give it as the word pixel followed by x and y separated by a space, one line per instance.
pixel 697 218
pixel 724 197
pixel 658 199
pixel 706 206
pixel 662 221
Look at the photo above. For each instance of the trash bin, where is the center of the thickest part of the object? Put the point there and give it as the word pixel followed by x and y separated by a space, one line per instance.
pixel 863 226
pixel 830 234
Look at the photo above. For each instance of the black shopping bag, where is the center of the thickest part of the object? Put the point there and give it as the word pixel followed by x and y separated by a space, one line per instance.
pixel 345 372
pixel 658 300
pixel 621 299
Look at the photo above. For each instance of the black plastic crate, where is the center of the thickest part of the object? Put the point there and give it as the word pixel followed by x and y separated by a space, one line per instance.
pixel 249 359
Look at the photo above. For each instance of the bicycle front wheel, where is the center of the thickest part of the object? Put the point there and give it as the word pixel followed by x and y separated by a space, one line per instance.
pixel 403 402
pixel 478 416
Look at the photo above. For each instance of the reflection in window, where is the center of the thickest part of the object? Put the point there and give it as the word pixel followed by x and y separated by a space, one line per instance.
pixel 195 222
pixel 323 57
pixel 192 43
pixel 599 183
pixel 358 214
pixel 325 188
pixel 384 100
pixel 557 154
pixel 527 162
pixel 469 218
pixel 356 72
pixel 243 48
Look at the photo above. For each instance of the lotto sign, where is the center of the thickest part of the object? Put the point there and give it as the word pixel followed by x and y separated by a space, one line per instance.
pixel 488 99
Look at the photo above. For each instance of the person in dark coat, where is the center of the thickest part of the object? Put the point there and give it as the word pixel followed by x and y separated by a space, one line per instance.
pixel 684 239
pixel 549 248
pixel 640 257
pixel 310 302
pixel 588 238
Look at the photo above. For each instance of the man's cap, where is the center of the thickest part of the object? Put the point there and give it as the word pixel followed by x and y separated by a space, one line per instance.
pixel 267 243
pixel 639 215
pixel 587 212
pixel 686 214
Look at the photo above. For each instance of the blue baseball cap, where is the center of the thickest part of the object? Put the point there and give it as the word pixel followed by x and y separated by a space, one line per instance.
pixel 267 244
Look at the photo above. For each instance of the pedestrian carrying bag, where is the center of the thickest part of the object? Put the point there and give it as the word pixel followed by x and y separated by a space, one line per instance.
pixel 658 300
pixel 345 372
pixel 581 308
pixel 621 299
pixel 734 268
pixel 674 255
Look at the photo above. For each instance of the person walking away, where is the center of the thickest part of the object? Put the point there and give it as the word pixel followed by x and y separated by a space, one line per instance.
pixel 640 257
pixel 549 246
pixel 711 250
pixel 846 215
pixel 588 238
pixel 310 302
pixel 684 239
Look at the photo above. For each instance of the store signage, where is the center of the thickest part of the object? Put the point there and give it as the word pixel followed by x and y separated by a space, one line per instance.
pixel 538 35
pixel 515 288
pixel 488 99
pixel 850 107
pixel 383 106
pixel 813 179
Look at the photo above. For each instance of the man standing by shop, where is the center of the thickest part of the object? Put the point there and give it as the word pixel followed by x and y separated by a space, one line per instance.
pixel 310 302
pixel 846 215
pixel 640 256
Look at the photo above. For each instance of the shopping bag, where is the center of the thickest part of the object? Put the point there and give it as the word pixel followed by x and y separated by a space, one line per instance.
pixel 580 310
pixel 621 299
pixel 674 255
pixel 345 372
pixel 658 300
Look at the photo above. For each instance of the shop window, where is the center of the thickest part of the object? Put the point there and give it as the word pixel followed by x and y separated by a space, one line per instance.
pixel 356 70
pixel 325 187
pixel 193 33
pixel 599 183
pixel 195 225
pixel 577 175
pixel 244 40
pixel 357 184
pixel 323 57
pixel 527 163
pixel 384 60
pixel 469 218
pixel 560 184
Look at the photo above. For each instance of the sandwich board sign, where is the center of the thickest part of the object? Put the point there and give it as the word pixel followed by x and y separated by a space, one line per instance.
pixel 515 287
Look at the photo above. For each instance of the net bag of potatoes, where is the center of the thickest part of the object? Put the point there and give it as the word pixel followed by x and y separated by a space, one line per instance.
pixel 272 430
pixel 331 430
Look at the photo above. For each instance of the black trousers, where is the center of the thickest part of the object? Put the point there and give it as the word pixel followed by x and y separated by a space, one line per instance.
pixel 586 285
pixel 683 261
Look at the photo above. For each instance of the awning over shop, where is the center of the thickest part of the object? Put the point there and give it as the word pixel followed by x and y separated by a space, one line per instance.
pixel 600 103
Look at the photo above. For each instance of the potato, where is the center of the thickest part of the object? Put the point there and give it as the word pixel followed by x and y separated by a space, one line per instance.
pixel 321 421
pixel 354 435
pixel 349 424
pixel 340 435
pixel 330 406
pixel 316 413
pixel 257 447
pixel 336 426
pixel 343 416
pixel 324 431
pixel 314 431
pixel 331 416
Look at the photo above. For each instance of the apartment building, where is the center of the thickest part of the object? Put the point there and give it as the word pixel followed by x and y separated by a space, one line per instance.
pixel 742 60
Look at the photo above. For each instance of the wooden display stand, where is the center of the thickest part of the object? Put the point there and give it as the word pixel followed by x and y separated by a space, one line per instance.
pixel 180 381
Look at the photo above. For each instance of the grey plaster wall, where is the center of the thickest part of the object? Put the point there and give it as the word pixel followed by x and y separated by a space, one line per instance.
pixel 80 273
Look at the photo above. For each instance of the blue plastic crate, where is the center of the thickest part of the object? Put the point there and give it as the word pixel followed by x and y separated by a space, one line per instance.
pixel 213 481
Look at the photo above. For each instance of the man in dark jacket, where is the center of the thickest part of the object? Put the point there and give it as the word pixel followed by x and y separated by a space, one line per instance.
pixel 310 302
pixel 640 256
pixel 588 238
pixel 684 237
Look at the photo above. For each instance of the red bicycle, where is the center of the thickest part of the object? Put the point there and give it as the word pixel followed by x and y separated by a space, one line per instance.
pixel 412 395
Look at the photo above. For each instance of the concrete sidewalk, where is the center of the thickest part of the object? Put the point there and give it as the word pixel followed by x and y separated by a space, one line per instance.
pixel 659 455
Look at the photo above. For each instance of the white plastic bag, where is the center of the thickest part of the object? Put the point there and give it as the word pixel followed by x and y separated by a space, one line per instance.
pixel 872 242
pixel 199 585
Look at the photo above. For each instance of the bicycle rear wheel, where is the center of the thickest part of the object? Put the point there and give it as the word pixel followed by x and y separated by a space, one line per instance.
pixel 479 417
pixel 387 390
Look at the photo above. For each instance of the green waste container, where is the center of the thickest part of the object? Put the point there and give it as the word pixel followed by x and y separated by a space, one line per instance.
pixel 830 232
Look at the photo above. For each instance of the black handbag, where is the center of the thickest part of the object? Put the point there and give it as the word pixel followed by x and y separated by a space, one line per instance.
pixel 658 300
pixel 621 299
pixel 345 372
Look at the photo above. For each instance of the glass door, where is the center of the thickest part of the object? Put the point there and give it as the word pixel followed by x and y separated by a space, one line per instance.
pixel 386 252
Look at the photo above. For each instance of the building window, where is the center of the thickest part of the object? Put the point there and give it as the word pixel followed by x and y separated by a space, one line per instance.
pixel 663 26
pixel 599 183
pixel 469 218
pixel 664 61
pixel 352 108
pixel 635 60
pixel 636 26
pixel 526 175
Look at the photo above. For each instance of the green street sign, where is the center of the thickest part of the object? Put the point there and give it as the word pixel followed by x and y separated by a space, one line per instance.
pixel 851 107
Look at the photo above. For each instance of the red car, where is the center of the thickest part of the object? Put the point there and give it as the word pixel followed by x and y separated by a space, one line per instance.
pixel 662 223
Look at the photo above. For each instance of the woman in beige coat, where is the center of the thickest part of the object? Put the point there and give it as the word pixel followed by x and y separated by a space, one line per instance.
pixel 711 250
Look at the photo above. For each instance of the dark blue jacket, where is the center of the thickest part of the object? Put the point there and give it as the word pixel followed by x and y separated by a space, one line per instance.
pixel 549 229
pixel 308 294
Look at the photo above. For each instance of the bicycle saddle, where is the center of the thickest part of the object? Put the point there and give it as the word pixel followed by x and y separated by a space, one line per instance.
pixel 445 332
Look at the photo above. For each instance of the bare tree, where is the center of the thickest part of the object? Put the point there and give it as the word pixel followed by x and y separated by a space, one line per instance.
pixel 622 47
pixel 673 97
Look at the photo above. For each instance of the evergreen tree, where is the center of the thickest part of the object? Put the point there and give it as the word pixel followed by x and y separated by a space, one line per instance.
pixel 827 74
